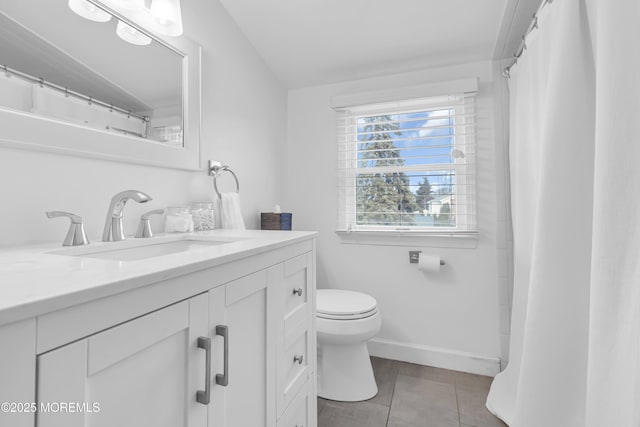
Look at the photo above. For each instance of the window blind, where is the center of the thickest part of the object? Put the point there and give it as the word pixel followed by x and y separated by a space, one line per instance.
pixel 408 165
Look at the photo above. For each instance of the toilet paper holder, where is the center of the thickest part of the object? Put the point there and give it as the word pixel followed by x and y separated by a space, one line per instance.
pixel 414 257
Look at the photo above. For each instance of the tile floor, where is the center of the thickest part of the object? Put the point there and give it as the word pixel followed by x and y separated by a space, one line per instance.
pixel 415 396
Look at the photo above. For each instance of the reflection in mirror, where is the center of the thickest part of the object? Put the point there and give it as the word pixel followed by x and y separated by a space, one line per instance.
pixel 103 75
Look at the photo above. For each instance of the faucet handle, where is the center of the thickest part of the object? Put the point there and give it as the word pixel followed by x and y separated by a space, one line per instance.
pixel 144 227
pixel 76 235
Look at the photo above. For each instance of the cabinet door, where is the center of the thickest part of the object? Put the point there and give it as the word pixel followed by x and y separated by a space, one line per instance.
pixel 243 307
pixel 17 372
pixel 145 372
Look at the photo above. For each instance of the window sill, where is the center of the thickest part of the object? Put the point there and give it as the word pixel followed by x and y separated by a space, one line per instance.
pixel 462 240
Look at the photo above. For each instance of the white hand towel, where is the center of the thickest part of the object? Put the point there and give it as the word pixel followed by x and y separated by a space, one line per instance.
pixel 231 214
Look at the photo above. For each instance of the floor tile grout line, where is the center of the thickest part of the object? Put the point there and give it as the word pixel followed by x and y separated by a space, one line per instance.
pixel 455 390
pixel 393 392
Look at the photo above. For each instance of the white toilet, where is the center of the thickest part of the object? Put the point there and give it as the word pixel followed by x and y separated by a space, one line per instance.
pixel 345 321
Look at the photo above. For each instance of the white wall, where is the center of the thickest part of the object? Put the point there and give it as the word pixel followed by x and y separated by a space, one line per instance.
pixel 439 320
pixel 450 319
pixel 243 125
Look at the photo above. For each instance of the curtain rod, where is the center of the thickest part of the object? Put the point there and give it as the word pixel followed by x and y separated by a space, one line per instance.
pixel 523 43
pixel 68 92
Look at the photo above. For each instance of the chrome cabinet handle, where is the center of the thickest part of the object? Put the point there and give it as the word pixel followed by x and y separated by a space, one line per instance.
pixel 204 397
pixel 223 379
pixel 298 291
pixel 298 359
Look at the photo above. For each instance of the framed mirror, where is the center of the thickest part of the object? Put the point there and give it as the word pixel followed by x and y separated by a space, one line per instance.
pixel 109 89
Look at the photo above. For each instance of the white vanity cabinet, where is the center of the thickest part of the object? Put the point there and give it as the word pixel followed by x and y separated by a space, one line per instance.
pixel 228 345
pixel 268 316
pixel 145 372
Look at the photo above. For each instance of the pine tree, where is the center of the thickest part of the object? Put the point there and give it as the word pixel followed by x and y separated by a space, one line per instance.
pixel 382 198
pixel 423 194
pixel 444 218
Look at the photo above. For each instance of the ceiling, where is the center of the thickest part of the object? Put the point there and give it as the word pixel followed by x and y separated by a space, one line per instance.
pixel 313 42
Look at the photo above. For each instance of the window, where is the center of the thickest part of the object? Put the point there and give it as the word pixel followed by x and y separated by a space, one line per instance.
pixel 408 165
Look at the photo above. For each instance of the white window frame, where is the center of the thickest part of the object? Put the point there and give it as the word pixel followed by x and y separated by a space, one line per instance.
pixel 463 140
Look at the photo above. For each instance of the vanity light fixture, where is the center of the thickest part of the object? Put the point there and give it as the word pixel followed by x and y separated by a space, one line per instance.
pixel 163 17
pixel 89 10
pixel 126 4
pixel 129 34
pixel 168 16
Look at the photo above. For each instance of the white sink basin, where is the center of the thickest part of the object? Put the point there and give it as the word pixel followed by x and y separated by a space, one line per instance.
pixel 135 253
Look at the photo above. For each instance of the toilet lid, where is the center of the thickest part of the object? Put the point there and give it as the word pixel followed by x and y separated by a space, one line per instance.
pixel 342 304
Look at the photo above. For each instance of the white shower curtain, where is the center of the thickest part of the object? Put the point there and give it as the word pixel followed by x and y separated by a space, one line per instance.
pixel 613 387
pixel 574 150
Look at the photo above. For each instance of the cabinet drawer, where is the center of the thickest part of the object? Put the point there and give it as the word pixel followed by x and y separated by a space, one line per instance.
pixel 295 323
pixel 298 414
pixel 294 369
pixel 296 362
pixel 296 283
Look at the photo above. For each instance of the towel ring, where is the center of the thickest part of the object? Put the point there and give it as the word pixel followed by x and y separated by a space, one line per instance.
pixel 216 171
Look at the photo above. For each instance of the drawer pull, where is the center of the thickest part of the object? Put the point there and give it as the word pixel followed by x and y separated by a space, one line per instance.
pixel 298 359
pixel 204 397
pixel 223 379
pixel 298 291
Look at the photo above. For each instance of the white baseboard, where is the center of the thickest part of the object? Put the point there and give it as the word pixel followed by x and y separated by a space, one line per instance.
pixel 434 356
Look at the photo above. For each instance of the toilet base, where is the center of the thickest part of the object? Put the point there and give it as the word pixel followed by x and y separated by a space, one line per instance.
pixel 345 373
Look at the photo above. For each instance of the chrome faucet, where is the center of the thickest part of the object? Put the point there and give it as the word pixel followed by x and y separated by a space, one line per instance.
pixel 144 227
pixel 113 230
pixel 76 235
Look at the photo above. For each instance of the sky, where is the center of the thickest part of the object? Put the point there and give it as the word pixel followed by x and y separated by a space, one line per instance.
pixel 433 144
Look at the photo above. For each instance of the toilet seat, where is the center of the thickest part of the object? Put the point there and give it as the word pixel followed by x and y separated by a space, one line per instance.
pixel 347 316
pixel 337 304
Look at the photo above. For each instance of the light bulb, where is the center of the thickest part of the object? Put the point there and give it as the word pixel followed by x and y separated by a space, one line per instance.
pixel 168 16
pixel 89 10
pixel 129 34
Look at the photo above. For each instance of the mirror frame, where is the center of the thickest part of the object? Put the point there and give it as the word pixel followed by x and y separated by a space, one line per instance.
pixel 23 130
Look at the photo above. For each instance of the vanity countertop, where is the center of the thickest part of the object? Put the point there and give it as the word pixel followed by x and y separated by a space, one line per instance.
pixel 39 279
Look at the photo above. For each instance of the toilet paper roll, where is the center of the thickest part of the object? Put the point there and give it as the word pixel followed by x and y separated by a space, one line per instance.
pixel 429 263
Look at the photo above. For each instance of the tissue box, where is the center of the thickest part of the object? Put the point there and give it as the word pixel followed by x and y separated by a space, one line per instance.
pixel 275 221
